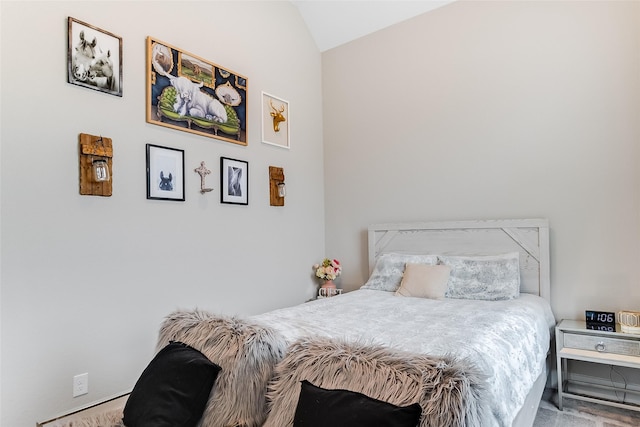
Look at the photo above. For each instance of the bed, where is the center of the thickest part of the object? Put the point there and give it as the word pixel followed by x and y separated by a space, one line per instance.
pixel 507 340
pixel 481 361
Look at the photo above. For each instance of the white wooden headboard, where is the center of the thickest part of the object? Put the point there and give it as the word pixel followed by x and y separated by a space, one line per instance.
pixel 530 237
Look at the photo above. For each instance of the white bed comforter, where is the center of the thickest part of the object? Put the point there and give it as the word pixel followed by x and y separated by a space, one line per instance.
pixel 507 340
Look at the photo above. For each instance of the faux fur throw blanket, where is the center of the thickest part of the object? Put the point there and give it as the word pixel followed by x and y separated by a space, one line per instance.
pixel 254 368
pixel 246 351
pixel 105 419
pixel 449 391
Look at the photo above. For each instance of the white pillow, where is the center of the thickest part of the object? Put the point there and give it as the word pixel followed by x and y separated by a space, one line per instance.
pixel 424 281
pixel 389 267
pixel 493 277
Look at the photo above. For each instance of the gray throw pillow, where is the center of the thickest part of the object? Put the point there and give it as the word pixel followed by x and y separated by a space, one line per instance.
pixel 387 273
pixel 493 277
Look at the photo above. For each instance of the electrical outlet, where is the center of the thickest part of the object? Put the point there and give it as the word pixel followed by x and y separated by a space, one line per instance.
pixel 80 384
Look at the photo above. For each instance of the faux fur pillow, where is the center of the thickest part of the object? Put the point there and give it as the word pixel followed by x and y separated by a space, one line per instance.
pixel 387 273
pixel 424 281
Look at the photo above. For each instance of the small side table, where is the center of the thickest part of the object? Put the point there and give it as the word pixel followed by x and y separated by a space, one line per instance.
pixel 575 342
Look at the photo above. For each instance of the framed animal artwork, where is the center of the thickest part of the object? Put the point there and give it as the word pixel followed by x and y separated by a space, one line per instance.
pixel 94 58
pixel 165 173
pixel 191 94
pixel 234 181
pixel 275 121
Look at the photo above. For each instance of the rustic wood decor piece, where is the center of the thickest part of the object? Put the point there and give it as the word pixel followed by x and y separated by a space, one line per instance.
pixel 276 177
pixel 529 237
pixel 95 148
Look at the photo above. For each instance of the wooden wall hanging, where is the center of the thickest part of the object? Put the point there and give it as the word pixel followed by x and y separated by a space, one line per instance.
pixel 94 148
pixel 276 176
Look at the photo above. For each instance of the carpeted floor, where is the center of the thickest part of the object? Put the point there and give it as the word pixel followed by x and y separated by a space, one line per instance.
pixel 577 413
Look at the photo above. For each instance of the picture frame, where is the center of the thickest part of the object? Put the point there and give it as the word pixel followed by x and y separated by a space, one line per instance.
pixel 234 181
pixel 94 58
pixel 165 173
pixel 275 121
pixel 217 103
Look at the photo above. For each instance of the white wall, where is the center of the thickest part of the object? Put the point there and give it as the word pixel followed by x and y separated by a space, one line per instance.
pixel 491 110
pixel 67 309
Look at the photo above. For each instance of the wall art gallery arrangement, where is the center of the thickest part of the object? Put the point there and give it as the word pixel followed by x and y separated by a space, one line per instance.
pixel 185 92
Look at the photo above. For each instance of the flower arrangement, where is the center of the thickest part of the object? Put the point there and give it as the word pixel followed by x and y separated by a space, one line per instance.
pixel 329 269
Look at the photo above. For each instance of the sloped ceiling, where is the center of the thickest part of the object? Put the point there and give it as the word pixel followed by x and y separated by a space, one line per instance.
pixel 333 22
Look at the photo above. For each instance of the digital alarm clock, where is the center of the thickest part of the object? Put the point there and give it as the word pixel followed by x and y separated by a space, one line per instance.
pixel 600 320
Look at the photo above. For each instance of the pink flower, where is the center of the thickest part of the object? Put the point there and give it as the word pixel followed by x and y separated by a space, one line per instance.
pixel 329 269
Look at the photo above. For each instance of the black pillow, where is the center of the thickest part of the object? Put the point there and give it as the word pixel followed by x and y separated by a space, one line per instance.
pixel 318 407
pixel 173 390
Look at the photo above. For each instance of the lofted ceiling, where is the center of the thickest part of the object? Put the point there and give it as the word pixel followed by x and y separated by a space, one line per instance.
pixel 335 22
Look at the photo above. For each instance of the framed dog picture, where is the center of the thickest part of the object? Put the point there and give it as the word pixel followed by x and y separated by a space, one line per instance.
pixel 94 58
pixel 188 93
pixel 165 173
pixel 234 181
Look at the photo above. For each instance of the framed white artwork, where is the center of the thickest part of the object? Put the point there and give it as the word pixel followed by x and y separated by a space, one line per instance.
pixel 275 121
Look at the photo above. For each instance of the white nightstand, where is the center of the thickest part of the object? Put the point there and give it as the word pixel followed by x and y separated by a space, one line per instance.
pixel 575 342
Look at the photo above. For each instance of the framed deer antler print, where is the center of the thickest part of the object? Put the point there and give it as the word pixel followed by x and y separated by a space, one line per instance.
pixel 275 121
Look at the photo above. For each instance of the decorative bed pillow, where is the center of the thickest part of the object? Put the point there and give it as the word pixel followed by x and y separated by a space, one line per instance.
pixel 318 407
pixel 173 389
pixel 387 273
pixel 424 281
pixel 493 277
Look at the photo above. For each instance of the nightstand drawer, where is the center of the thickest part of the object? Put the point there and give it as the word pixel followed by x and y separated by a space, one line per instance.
pixel 602 345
